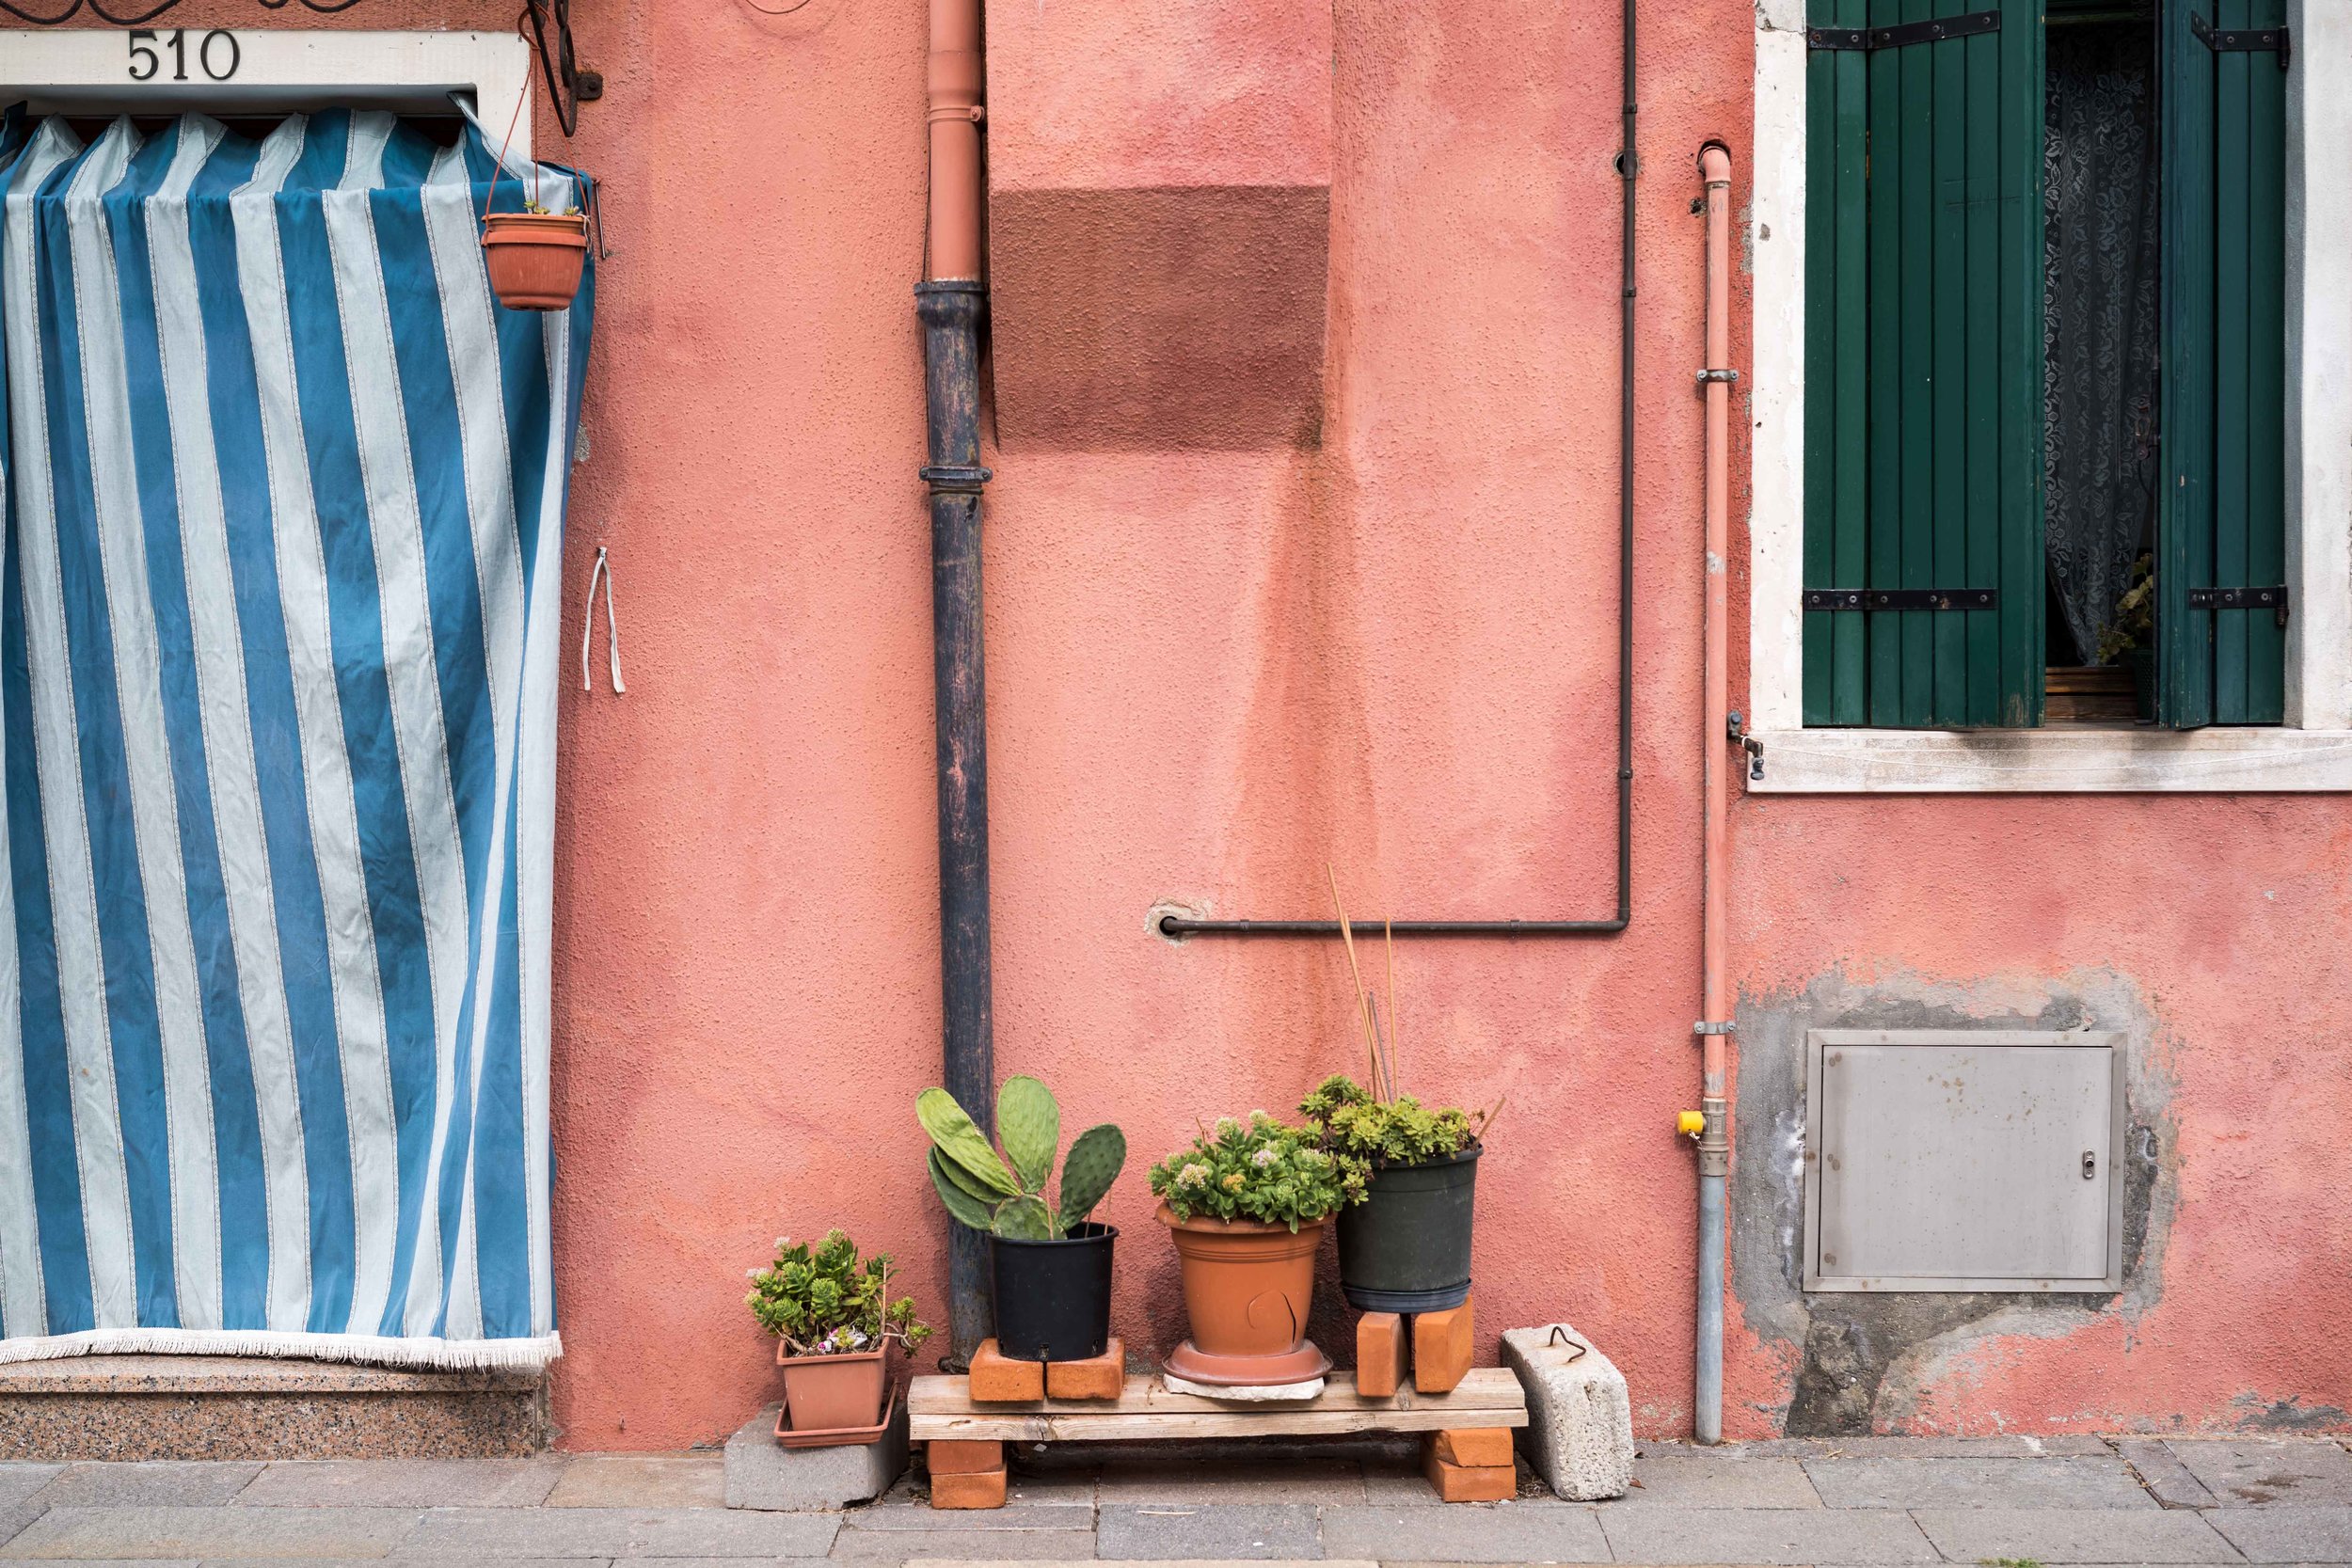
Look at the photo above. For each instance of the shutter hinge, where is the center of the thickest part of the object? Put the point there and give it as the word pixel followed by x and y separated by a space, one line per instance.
pixel 1965 25
pixel 2241 599
pixel 2243 39
pixel 1902 598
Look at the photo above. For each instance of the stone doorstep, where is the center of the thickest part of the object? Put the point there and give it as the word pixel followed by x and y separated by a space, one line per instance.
pixel 231 1407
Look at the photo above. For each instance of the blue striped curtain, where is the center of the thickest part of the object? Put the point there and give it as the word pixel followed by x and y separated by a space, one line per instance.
pixel 278 672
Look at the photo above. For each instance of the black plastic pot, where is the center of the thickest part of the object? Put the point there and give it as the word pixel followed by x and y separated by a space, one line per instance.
pixel 1054 1298
pixel 1407 1247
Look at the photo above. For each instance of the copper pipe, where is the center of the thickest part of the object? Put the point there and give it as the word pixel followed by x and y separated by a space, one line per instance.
pixel 955 81
pixel 1714 1011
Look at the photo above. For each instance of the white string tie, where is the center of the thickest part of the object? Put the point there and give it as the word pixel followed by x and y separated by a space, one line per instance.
pixel 603 568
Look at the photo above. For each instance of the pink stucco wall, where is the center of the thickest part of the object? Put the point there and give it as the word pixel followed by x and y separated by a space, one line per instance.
pixel 1211 671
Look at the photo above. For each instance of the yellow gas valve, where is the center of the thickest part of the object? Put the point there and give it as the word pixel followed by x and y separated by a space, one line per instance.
pixel 1690 1123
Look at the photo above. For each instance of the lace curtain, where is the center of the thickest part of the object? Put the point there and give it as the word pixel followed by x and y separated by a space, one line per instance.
pixel 2100 249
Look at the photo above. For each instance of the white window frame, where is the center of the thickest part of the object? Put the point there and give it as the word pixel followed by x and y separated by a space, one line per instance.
pixel 2312 751
pixel 280 69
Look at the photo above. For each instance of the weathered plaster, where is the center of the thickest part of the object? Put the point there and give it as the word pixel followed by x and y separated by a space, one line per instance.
pixel 1865 1357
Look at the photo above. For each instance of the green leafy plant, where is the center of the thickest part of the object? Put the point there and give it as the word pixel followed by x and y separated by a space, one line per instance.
pixel 826 1301
pixel 1363 1127
pixel 1256 1169
pixel 2135 622
pixel 1008 1197
pixel 1354 1127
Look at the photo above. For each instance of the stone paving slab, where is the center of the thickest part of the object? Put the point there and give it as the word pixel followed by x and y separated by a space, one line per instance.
pixel 393 1482
pixel 1297 1480
pixel 641 1481
pixel 1785 1535
pixel 151 1483
pixel 2067 1482
pixel 2287 1535
pixel 504 1534
pixel 1178 1532
pixel 1467 1532
pixel 2017 1446
pixel 922 1516
pixel 216 1531
pixel 2254 1472
pixel 20 1481
pixel 2055 1535
pixel 1711 1481
pixel 1023 1546
pixel 2160 1470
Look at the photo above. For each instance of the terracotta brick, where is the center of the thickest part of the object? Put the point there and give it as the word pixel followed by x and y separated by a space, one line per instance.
pixel 1001 1380
pixel 1379 1354
pixel 969 1489
pixel 946 1456
pixel 1474 1446
pixel 1442 1348
pixel 1469 1483
pixel 1099 1377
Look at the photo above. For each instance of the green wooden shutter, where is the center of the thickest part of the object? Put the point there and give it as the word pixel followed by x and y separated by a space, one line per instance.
pixel 1923 454
pixel 2223 521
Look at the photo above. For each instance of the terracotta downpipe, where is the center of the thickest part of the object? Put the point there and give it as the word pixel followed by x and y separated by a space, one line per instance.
pixel 951 301
pixel 1714 1025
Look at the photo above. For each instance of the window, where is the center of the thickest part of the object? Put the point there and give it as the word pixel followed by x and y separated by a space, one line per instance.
pixel 2308 745
pixel 2045 343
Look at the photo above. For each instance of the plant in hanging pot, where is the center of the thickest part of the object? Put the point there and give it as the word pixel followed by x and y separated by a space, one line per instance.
pixel 1245 1204
pixel 535 256
pixel 1410 1170
pixel 834 1325
pixel 2130 638
pixel 1050 1265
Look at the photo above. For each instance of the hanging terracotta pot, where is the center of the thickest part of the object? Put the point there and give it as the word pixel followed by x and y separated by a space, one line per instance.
pixel 536 259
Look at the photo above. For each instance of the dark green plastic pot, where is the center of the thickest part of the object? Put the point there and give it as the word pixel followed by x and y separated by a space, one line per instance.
pixel 1407 1247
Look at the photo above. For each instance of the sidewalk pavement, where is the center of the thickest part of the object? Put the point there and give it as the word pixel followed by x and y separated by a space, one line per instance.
pixel 1866 1500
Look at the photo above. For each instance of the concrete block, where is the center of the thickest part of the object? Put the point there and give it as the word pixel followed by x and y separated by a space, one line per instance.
pixel 1174 1533
pixel 1579 1422
pixel 1379 1354
pixel 762 1473
pixel 1100 1377
pixel 1442 1343
pixel 998 1379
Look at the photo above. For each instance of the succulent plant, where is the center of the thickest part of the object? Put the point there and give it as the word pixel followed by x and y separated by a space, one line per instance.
pixel 1007 1196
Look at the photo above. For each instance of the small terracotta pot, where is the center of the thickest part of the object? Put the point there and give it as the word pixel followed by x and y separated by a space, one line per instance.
pixel 536 259
pixel 1247 1286
pixel 833 1392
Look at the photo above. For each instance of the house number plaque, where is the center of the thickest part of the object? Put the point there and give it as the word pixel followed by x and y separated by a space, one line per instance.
pixel 218 55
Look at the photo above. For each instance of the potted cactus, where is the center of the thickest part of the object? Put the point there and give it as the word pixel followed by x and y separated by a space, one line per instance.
pixel 834 1324
pixel 1050 1265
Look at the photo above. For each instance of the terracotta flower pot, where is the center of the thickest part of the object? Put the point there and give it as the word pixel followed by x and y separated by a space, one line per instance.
pixel 536 259
pixel 825 1393
pixel 1247 1286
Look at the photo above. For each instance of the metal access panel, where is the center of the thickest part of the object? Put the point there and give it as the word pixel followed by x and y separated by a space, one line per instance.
pixel 1963 1160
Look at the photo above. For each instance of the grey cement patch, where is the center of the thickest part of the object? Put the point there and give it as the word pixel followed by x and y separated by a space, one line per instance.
pixel 1865 1356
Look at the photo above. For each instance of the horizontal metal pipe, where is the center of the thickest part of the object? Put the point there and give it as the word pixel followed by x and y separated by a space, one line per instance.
pixel 1181 925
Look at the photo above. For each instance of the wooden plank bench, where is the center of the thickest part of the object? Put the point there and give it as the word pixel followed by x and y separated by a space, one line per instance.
pixel 1466 1431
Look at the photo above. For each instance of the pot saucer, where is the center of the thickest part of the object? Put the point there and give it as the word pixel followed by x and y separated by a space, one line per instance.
pixel 1302 1363
pixel 838 1437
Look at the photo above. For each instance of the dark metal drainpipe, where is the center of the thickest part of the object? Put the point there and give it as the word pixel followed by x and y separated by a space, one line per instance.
pixel 1628 169
pixel 952 313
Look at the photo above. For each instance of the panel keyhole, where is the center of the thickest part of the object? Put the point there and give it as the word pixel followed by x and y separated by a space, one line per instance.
pixel 2090 1164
